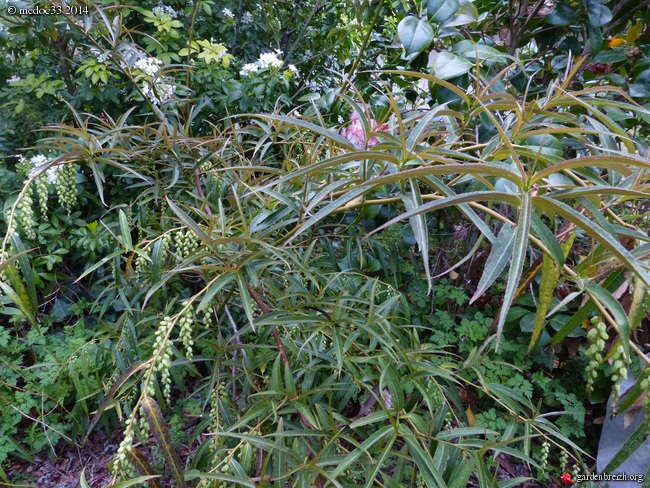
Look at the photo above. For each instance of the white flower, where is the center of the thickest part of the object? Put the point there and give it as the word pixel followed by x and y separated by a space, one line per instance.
pixel 227 13
pixel 162 92
pixel 247 18
pixel 249 68
pixel 51 174
pixel 102 58
pixel 150 66
pixel 294 71
pixel 163 9
pixel 38 160
pixel 13 79
pixel 270 59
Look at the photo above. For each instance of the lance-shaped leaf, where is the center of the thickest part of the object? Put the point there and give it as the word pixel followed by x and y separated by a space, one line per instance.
pixel 19 295
pixel 594 230
pixel 550 273
pixel 464 208
pixel 597 292
pixel 130 371
pixel 419 226
pixel 140 462
pixel 161 432
pixel 518 258
pixel 496 262
pixel 26 269
pixel 630 447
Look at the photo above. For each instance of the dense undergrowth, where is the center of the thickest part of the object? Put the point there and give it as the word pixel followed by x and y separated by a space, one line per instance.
pixel 332 244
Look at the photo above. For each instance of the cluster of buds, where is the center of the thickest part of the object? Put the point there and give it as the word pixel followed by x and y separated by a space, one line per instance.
pixel 208 317
pixel 25 215
pixel 66 186
pixel 42 193
pixel 165 243
pixel 564 460
pixel 122 465
pixel 597 336
pixel 186 243
pixel 186 324
pixel 163 352
pixel 543 460
pixel 619 373
pixel 141 264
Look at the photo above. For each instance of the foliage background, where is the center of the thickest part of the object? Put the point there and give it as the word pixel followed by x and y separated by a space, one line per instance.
pixel 325 243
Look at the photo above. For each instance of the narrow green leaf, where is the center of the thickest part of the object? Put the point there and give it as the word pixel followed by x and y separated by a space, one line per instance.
pixel 612 282
pixel 140 462
pixel 461 474
pixel 246 300
pixel 391 379
pixel 161 433
pixel 485 478
pixel 130 371
pixel 125 231
pixel 222 477
pixel 599 293
pixel 611 161
pixel 630 447
pixel 496 262
pixel 631 395
pixel 550 275
pixel 379 463
pixel 451 201
pixel 419 226
pixel 431 79
pixel 362 450
pixel 19 298
pixel 186 219
pixel 214 287
pixel 464 208
pixel 548 239
pixel 514 482
pixel 423 460
pixel 518 259
pixel 26 271
pixel 279 459
pixel 420 130
pixel 595 231
pixel 464 432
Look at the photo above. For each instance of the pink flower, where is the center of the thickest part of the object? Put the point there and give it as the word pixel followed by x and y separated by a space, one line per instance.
pixel 354 132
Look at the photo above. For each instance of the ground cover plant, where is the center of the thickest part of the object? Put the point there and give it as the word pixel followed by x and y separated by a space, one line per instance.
pixel 324 244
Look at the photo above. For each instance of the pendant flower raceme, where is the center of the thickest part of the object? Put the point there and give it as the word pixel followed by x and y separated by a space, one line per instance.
pixel 354 132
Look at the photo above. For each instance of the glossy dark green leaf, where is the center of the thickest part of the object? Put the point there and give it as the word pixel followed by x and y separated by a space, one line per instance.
pixel 597 13
pixel 447 65
pixel 415 34
pixel 440 10
pixel 563 14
